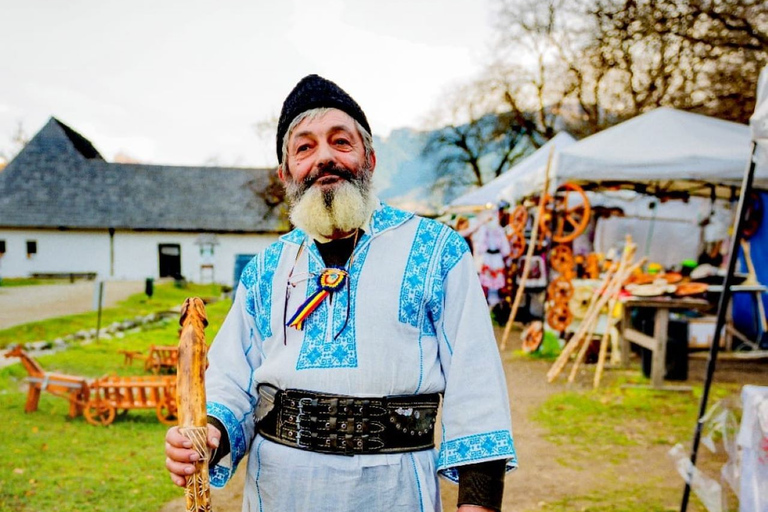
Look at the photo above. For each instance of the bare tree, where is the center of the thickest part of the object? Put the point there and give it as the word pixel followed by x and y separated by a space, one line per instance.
pixel 19 139
pixel 583 65
pixel 473 144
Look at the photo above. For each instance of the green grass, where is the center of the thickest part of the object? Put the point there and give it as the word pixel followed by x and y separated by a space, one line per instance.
pixel 614 423
pixel 28 281
pixel 165 297
pixel 53 463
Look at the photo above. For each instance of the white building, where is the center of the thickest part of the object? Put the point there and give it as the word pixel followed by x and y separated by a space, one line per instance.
pixel 64 209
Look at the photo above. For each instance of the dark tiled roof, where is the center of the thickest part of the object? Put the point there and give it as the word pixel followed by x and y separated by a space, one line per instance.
pixel 59 180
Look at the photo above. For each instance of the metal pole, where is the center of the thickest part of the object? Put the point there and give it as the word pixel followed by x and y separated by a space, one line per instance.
pixel 98 316
pixel 722 306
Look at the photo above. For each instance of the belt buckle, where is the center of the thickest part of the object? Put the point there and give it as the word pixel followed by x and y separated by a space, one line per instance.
pixel 304 402
pixel 299 436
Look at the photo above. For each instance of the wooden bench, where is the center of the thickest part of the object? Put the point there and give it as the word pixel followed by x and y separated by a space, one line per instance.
pixel 90 276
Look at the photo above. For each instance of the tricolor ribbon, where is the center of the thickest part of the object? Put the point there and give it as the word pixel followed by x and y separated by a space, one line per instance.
pixel 329 281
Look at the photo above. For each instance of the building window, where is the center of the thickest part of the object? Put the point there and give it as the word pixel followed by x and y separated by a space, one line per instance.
pixel 2 247
pixel 31 248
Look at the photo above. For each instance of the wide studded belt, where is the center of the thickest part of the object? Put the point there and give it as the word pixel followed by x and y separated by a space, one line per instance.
pixel 347 425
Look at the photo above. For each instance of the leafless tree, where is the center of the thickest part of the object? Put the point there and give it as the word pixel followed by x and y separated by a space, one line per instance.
pixel 473 144
pixel 583 65
pixel 19 139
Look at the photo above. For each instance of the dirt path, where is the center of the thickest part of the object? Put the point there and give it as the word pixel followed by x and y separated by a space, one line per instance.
pixel 24 304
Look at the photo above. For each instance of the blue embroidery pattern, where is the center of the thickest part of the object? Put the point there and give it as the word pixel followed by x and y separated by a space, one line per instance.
pixel 387 217
pixel 295 236
pixel 219 474
pixel 268 262
pixel 416 271
pixel 495 444
pixel 452 249
pixel 257 279
pixel 319 348
pixel 248 280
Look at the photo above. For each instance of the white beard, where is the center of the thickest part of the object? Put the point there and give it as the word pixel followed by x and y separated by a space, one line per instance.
pixel 349 209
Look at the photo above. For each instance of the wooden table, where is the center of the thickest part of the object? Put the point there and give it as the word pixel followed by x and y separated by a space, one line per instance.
pixel 657 343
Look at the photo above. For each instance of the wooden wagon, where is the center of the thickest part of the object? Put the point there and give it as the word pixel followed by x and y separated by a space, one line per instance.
pixel 108 394
pixel 162 358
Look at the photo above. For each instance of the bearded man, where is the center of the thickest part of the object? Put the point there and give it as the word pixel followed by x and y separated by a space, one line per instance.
pixel 344 338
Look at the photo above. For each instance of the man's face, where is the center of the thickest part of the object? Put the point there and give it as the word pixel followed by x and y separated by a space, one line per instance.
pixel 324 152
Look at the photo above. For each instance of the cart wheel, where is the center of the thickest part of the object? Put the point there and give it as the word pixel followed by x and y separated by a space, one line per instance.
pixel 99 413
pixel 166 412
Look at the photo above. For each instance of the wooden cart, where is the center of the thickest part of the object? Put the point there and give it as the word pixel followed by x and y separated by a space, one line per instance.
pixel 108 394
pixel 162 359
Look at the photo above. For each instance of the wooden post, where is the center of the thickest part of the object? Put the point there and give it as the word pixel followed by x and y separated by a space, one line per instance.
pixel 190 399
pixel 527 264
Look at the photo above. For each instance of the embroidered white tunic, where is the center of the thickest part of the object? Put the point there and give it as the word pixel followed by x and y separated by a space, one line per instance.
pixel 411 319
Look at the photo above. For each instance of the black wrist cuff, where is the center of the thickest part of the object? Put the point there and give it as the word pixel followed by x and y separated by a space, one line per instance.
pixel 482 484
pixel 224 448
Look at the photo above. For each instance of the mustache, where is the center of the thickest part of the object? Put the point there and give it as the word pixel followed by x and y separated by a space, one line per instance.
pixel 333 170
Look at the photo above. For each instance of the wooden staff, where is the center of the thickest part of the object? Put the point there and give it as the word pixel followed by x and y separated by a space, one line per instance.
pixel 573 343
pixel 527 264
pixel 613 290
pixel 190 398
pixel 557 367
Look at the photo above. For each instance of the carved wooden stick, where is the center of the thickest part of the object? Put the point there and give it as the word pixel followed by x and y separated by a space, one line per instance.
pixel 190 398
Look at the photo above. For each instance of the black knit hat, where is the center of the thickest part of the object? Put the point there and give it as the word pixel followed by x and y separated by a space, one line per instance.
pixel 314 91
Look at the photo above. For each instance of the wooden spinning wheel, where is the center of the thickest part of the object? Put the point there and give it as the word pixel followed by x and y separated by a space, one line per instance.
pixel 559 316
pixel 518 218
pixel 563 222
pixel 517 244
pixel 532 337
pixel 515 231
pixel 561 259
pixel 560 290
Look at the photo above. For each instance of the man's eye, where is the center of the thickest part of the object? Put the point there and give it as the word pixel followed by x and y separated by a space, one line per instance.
pixel 343 142
pixel 302 148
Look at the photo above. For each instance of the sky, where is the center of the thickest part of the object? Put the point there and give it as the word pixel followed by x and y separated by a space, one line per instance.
pixel 186 82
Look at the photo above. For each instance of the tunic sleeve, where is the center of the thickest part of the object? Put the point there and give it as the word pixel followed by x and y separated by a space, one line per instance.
pixel 230 394
pixel 476 422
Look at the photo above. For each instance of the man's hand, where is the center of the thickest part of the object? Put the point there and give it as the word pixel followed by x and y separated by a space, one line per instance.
pixel 179 455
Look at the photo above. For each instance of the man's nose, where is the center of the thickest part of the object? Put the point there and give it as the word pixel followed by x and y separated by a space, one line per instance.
pixel 325 155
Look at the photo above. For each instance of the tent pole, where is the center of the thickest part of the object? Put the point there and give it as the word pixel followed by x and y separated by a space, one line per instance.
pixel 725 295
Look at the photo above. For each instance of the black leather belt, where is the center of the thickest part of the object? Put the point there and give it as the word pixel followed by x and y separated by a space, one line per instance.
pixel 347 425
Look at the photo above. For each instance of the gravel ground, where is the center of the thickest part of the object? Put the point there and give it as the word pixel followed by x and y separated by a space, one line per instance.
pixel 24 304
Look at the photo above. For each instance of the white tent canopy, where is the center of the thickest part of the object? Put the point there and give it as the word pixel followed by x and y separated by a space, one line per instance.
pixel 523 179
pixel 671 149
pixel 759 123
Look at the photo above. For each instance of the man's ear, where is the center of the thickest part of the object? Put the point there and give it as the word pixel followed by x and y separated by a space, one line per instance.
pixel 373 161
pixel 281 173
